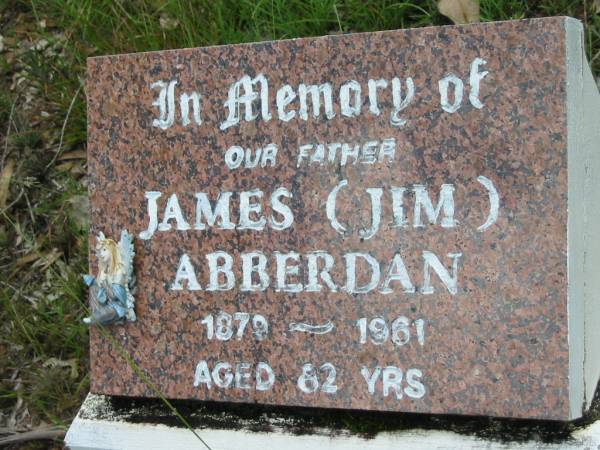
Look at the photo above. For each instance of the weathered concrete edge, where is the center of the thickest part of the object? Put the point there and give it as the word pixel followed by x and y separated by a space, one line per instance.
pixel 590 143
pixel 583 142
pixel 576 210
pixel 105 434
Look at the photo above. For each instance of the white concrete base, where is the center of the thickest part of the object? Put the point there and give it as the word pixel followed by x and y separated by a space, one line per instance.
pixel 118 434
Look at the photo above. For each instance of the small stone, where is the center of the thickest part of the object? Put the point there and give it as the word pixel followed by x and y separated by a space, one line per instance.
pixel 168 23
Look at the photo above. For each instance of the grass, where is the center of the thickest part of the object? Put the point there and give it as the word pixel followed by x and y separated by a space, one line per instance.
pixel 43 214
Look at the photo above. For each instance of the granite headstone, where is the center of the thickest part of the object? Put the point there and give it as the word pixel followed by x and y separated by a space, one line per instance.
pixel 401 220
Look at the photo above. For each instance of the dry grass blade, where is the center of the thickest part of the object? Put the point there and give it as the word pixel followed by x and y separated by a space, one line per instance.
pixel 24 260
pixel 33 435
pixel 76 154
pixel 460 11
pixel 10 119
pixel 5 177
pixel 70 363
pixel 64 126
pixel 43 260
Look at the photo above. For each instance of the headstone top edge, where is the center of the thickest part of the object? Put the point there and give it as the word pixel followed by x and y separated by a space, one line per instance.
pixel 94 59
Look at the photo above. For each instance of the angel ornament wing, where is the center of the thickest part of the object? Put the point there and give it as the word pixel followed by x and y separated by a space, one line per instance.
pixel 112 289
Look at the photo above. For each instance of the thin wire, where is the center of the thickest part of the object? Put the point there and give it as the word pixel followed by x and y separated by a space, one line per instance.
pixel 146 380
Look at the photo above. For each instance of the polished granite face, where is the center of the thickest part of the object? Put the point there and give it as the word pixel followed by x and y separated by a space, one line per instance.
pixel 400 246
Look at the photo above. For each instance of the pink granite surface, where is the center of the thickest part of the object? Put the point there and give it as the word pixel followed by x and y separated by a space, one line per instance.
pixel 496 347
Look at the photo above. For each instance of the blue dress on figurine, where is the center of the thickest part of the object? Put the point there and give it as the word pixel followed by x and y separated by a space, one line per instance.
pixel 111 291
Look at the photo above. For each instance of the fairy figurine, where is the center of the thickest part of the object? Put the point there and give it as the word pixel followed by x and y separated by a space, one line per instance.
pixel 111 291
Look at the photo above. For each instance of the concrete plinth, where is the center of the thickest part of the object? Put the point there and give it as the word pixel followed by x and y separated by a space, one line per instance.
pixel 109 423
